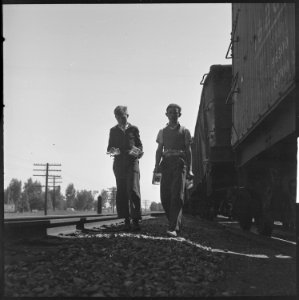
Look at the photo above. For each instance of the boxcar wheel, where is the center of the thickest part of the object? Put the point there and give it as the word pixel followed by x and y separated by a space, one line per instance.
pixel 265 225
pixel 265 222
pixel 245 221
pixel 243 210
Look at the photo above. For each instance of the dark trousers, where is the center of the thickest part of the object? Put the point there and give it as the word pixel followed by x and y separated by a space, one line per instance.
pixel 127 175
pixel 172 188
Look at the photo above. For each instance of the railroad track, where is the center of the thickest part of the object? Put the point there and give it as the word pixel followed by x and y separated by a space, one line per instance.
pixel 279 234
pixel 38 227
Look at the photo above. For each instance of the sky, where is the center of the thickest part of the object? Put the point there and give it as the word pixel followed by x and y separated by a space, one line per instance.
pixel 67 66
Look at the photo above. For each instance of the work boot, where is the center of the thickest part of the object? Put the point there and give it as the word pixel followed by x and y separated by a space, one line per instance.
pixel 127 226
pixel 136 226
pixel 172 233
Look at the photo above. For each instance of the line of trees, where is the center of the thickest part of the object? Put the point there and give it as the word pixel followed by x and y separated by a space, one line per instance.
pixel 30 196
pixel 156 206
pixel 79 200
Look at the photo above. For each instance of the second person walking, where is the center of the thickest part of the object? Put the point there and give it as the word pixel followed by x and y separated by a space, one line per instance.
pixel 174 148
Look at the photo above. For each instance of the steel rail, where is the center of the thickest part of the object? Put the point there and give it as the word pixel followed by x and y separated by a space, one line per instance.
pixel 28 227
pixel 54 217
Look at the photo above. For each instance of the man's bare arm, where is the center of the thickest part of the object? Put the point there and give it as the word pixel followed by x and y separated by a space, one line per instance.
pixel 159 152
pixel 189 160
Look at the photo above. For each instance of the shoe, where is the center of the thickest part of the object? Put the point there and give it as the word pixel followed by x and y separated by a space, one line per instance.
pixel 127 226
pixel 171 233
pixel 136 226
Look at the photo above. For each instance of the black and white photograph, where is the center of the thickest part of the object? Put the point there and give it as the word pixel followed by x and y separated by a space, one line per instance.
pixel 149 150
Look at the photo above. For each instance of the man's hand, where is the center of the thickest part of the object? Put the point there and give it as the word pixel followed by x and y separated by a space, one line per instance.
pixel 189 174
pixel 157 169
pixel 136 152
pixel 114 151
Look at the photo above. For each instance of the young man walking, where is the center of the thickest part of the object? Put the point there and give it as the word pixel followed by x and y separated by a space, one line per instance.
pixel 126 147
pixel 174 148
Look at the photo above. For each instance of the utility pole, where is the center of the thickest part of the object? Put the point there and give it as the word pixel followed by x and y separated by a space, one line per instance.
pixel 54 192
pixel 46 192
pixel 47 170
pixel 145 205
pixel 112 197
pixel 54 187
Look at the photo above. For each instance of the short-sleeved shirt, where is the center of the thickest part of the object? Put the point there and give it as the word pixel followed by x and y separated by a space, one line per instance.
pixel 175 138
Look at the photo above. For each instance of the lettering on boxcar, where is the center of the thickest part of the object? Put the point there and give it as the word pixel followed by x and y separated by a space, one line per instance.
pixel 266 23
pixel 267 16
pixel 280 51
pixel 282 74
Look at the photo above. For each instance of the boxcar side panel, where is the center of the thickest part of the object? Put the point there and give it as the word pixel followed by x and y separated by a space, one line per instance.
pixel 264 61
pixel 217 113
pixel 223 111
pixel 211 141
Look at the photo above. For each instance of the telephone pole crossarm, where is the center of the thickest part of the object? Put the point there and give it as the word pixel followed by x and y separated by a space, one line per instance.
pixel 51 186
pixel 58 165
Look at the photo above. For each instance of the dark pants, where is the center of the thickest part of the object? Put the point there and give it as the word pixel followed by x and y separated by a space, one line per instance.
pixel 126 171
pixel 172 190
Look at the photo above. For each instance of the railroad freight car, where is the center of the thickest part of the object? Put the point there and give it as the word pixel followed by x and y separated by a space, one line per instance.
pixel 245 139
pixel 213 160
pixel 263 98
